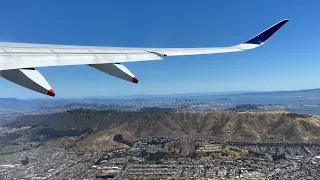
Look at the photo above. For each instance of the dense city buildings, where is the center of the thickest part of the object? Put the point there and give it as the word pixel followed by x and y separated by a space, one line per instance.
pixel 151 158
pixel 181 138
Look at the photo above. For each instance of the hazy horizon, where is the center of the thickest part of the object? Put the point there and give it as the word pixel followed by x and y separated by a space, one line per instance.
pixel 168 95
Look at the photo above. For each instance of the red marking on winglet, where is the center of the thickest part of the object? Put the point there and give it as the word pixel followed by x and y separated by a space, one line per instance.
pixel 135 80
pixel 51 93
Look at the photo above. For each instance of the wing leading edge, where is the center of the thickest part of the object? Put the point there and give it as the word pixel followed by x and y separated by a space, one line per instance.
pixel 23 55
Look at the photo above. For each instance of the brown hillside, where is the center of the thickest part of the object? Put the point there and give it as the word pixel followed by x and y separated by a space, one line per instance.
pixel 251 127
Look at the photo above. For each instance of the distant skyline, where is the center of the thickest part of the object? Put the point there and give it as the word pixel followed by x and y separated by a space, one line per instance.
pixel 289 61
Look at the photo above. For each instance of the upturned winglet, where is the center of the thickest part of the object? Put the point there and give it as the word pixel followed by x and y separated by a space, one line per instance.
pixel 267 34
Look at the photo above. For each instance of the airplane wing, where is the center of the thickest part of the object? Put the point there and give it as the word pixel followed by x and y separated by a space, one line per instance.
pixel 22 58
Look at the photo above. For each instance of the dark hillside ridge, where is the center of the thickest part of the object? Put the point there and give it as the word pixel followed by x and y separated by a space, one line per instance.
pixel 252 127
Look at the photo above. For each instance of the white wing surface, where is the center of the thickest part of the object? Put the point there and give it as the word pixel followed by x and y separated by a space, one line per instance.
pixel 23 55
pixel 18 60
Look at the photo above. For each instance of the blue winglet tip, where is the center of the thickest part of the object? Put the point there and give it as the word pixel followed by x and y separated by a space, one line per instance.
pixel 267 34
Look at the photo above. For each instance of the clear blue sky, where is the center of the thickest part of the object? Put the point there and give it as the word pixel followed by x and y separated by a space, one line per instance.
pixel 289 61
